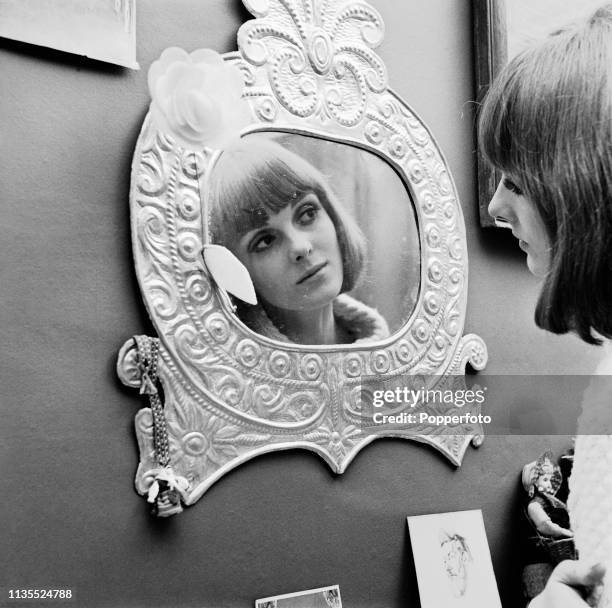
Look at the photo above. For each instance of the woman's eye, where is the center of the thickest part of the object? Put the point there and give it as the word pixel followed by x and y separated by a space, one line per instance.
pixel 510 185
pixel 307 214
pixel 262 242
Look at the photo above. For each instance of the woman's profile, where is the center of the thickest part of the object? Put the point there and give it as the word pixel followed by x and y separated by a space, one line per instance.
pixel 546 124
pixel 276 213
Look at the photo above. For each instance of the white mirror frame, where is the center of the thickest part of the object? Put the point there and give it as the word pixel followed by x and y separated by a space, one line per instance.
pixel 231 394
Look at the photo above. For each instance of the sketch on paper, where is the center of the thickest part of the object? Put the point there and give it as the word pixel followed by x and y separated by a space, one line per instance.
pixel 452 560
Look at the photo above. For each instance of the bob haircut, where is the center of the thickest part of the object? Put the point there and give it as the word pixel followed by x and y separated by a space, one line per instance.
pixel 256 177
pixel 547 124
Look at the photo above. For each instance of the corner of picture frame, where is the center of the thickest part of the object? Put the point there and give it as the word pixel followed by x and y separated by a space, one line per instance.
pixel 490 55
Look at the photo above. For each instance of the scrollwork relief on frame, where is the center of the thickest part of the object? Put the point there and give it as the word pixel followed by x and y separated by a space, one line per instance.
pixel 312 82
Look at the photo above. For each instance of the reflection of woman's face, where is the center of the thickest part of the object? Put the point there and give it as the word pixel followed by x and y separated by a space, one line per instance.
pixel 294 259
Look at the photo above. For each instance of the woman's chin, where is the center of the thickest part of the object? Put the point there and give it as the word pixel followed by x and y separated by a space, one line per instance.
pixel 319 299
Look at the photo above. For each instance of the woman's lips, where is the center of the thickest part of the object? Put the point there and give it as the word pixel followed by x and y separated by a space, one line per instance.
pixel 311 272
pixel 523 245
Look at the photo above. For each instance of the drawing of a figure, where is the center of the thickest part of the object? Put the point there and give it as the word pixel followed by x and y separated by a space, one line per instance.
pixel 456 556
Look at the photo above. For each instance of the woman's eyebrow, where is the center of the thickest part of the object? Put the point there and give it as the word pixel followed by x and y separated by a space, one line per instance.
pixel 251 219
pixel 300 198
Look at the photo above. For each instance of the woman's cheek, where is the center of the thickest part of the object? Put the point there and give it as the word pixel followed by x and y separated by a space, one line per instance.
pixel 265 270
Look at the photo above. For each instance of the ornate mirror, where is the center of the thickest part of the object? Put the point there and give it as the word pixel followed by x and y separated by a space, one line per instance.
pixel 332 206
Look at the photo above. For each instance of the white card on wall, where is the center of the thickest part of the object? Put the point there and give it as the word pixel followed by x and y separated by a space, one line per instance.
pixel 98 29
pixel 453 562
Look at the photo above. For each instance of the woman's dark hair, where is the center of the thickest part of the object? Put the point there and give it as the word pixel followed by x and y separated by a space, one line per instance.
pixel 547 123
pixel 256 177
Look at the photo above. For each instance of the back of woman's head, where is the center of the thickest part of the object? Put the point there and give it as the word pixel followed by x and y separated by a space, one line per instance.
pixel 257 177
pixel 547 124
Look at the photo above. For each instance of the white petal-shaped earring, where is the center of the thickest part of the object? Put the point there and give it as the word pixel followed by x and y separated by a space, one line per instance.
pixel 229 272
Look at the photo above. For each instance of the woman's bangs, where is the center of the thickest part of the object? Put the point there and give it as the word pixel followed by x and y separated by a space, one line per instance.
pixel 248 202
pixel 281 186
pixel 492 130
pixel 502 130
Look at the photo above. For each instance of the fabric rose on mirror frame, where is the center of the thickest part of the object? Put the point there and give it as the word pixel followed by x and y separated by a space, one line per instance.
pixel 197 98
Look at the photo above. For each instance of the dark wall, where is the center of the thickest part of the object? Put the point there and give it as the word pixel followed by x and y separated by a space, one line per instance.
pixel 282 522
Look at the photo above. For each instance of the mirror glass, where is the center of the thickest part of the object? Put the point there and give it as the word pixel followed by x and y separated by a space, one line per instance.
pixel 328 233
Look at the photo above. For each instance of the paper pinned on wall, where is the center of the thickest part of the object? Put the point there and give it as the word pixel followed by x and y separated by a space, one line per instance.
pixel 98 29
pixel 453 562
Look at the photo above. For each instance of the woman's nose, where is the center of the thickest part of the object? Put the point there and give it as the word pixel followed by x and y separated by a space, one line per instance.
pixel 500 208
pixel 300 247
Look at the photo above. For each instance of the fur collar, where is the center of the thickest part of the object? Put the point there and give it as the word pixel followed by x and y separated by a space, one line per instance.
pixel 363 323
